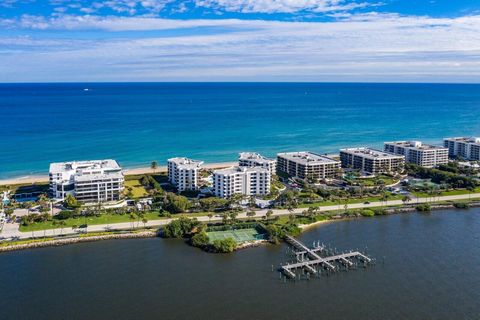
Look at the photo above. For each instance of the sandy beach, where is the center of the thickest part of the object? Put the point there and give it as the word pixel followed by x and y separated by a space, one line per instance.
pixel 128 171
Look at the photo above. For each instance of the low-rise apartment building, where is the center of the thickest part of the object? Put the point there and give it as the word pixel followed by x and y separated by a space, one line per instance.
pixel 253 159
pixel 249 181
pixel 463 147
pixel 416 152
pixel 184 173
pixel 88 181
pixel 371 161
pixel 306 164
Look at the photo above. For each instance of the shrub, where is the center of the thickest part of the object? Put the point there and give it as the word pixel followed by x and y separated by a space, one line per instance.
pixel 70 202
pixel 200 240
pixel 461 205
pixel 274 233
pixel 65 214
pixel 367 213
pixel 225 245
pixel 180 228
pixel 177 204
pixel 149 181
pixel 292 229
pixel 380 211
pixel 425 207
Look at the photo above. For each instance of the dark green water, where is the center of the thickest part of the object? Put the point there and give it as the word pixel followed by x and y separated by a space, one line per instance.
pixel 431 271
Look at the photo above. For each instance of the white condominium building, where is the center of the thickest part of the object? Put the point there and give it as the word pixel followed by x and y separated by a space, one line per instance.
pixel 87 181
pixel 253 159
pixel 424 155
pixel 307 165
pixel 184 173
pixel 466 148
pixel 371 160
pixel 249 181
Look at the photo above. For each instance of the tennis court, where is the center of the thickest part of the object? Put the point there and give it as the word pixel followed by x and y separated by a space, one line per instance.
pixel 240 235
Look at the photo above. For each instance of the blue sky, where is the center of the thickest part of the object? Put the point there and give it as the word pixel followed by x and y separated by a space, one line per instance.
pixel 240 40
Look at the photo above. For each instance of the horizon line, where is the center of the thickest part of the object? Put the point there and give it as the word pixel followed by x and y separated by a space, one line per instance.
pixel 242 82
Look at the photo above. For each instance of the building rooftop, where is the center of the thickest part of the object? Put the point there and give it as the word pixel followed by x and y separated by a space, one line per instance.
pixel 415 144
pixel 371 153
pixel 254 156
pixel 90 170
pixel 465 139
pixel 307 158
pixel 237 169
pixel 85 167
pixel 186 163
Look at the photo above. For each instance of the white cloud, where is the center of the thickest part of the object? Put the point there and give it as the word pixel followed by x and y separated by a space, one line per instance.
pixel 281 6
pixel 370 47
pixel 154 7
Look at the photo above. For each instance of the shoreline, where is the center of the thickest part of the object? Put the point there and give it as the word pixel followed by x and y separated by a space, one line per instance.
pixel 43 178
pixel 305 227
pixel 53 241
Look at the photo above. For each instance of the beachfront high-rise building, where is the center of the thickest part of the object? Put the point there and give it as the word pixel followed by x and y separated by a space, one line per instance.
pixel 249 181
pixel 424 155
pixel 88 181
pixel 306 164
pixel 253 159
pixel 462 147
pixel 184 173
pixel 371 161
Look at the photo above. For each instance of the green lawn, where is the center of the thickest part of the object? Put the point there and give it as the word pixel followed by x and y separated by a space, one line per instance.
pixel 446 193
pixel 161 177
pixel 350 201
pixel 138 190
pixel 370 182
pixel 102 219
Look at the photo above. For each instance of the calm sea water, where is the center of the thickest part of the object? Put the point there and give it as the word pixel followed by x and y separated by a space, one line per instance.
pixel 431 271
pixel 138 123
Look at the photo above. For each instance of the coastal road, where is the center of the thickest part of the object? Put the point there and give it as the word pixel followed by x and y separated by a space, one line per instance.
pixel 10 230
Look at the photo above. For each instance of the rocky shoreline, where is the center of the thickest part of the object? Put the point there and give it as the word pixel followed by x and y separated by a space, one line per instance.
pixel 40 243
pixel 61 242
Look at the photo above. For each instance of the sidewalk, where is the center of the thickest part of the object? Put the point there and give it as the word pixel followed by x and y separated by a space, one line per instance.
pixel 10 230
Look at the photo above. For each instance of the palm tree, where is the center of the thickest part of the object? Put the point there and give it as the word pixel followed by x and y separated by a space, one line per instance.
pixel 140 215
pixel 470 190
pixel 235 200
pixel 252 202
pixel 269 213
pixel 385 197
pixel 98 208
pixel 290 208
pixel 132 220
pixel 154 165
pixel 144 221
pixel 233 215
pixel 54 224
pixel 62 224
pixel 210 216
pixel 225 217
pixel 291 218
pixel 406 199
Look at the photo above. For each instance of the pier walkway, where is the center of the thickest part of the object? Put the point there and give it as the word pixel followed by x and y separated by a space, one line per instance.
pixel 312 262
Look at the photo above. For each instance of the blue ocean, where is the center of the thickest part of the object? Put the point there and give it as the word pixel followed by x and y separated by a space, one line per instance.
pixel 136 123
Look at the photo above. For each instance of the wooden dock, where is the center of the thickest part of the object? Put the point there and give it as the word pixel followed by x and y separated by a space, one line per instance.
pixel 313 260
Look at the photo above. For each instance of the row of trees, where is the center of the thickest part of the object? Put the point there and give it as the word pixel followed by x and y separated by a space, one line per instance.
pixel 195 232
pixel 439 176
